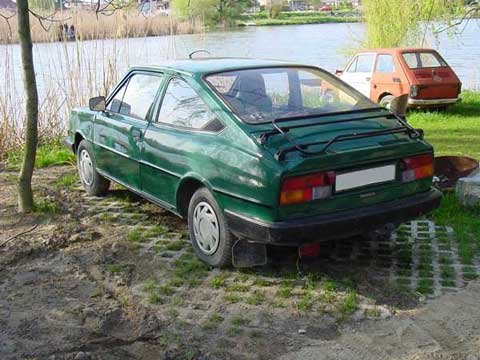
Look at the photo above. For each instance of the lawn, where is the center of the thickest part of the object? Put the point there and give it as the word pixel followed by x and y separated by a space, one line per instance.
pixel 297 18
pixel 455 131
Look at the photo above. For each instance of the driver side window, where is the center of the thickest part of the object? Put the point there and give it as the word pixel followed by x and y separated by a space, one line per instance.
pixel 136 97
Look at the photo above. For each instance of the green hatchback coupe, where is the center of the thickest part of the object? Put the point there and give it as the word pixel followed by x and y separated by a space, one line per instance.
pixel 254 152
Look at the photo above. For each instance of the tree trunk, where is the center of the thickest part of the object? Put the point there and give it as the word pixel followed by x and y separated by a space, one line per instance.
pixel 25 194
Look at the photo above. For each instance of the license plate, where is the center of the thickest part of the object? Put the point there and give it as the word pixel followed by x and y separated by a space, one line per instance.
pixel 356 179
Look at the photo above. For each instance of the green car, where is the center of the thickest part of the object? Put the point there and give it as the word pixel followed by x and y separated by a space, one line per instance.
pixel 254 153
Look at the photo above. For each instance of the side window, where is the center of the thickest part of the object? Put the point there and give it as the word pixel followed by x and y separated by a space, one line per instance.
pixel 353 65
pixel 137 96
pixel 181 106
pixel 385 64
pixel 365 63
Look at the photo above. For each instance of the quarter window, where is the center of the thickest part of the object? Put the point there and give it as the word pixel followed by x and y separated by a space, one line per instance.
pixel 385 64
pixel 181 106
pixel 135 99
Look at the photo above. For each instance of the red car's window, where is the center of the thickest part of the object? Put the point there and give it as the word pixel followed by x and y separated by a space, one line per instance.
pixel 385 64
pixel 418 60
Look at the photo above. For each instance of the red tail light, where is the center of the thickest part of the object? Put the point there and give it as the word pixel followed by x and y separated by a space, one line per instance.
pixel 417 167
pixel 305 188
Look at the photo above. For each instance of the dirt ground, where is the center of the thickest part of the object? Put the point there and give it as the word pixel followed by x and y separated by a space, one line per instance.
pixel 115 278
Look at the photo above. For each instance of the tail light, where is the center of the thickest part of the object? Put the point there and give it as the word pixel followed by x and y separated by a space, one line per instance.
pixel 298 189
pixel 413 91
pixel 417 167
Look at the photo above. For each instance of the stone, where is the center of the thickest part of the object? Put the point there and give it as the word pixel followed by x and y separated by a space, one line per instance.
pixel 468 190
pixel 82 356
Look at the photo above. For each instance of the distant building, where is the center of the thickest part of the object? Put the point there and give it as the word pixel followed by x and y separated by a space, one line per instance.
pixel 298 5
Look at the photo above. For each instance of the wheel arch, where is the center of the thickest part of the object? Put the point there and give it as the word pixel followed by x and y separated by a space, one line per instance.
pixel 76 141
pixel 185 190
pixel 383 94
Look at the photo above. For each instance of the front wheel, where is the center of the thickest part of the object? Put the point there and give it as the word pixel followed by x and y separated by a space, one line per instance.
pixel 94 183
pixel 209 232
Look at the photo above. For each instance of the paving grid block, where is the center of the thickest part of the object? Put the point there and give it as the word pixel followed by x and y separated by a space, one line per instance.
pixel 420 255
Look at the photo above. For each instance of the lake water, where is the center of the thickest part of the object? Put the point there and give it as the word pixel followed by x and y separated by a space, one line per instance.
pixel 325 45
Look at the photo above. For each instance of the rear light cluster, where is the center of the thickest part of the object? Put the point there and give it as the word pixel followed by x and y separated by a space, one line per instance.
pixel 417 167
pixel 414 91
pixel 305 188
pixel 298 189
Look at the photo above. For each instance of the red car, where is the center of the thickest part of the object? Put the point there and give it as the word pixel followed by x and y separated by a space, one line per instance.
pixel 382 74
pixel 326 8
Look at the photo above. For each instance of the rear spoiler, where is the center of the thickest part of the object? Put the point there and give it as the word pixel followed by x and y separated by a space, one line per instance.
pixel 403 128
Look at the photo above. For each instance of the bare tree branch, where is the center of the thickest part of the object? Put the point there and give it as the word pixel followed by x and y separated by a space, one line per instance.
pixel 469 14
pixel 7 20
pixel 50 19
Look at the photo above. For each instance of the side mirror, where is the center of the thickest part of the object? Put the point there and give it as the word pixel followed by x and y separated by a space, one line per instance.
pixel 339 72
pixel 97 103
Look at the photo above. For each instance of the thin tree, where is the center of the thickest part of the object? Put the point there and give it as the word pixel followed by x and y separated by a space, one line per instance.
pixel 25 193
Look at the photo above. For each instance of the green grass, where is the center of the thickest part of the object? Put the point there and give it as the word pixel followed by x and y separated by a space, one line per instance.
pixel 455 131
pixel 218 281
pixel 258 297
pixel 349 304
pixel 296 18
pixel 46 206
pixel 465 221
pixel 66 181
pixel 285 290
pixel 114 269
pixel 50 154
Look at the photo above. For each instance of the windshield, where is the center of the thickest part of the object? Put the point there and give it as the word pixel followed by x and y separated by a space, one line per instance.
pixel 418 60
pixel 263 94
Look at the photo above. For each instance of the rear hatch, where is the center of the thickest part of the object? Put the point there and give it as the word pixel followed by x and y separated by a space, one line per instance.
pixel 367 169
pixel 433 76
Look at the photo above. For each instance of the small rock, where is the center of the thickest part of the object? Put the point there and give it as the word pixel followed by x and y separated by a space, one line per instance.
pixel 82 356
pixel 302 331
pixel 117 247
pixel 468 190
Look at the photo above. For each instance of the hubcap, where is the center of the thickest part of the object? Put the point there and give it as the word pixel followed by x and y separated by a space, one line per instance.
pixel 205 228
pixel 86 168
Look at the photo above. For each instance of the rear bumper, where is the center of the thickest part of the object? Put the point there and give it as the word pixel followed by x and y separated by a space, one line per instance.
pixel 431 102
pixel 334 225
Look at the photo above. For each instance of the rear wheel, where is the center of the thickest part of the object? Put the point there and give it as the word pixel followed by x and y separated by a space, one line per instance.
pixel 209 232
pixel 92 181
pixel 386 101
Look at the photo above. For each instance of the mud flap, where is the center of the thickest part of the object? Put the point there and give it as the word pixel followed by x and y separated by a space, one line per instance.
pixel 247 254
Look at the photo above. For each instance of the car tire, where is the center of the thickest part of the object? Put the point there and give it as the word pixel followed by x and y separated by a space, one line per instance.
pixel 210 235
pixel 94 183
pixel 386 101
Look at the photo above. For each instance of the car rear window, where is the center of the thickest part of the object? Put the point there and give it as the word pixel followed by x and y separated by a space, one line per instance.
pixel 418 60
pixel 262 94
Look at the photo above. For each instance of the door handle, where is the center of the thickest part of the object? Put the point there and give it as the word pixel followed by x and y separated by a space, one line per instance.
pixel 396 80
pixel 368 78
pixel 136 135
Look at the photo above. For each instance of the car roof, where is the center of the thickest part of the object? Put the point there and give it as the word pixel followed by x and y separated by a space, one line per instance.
pixel 203 66
pixel 394 50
